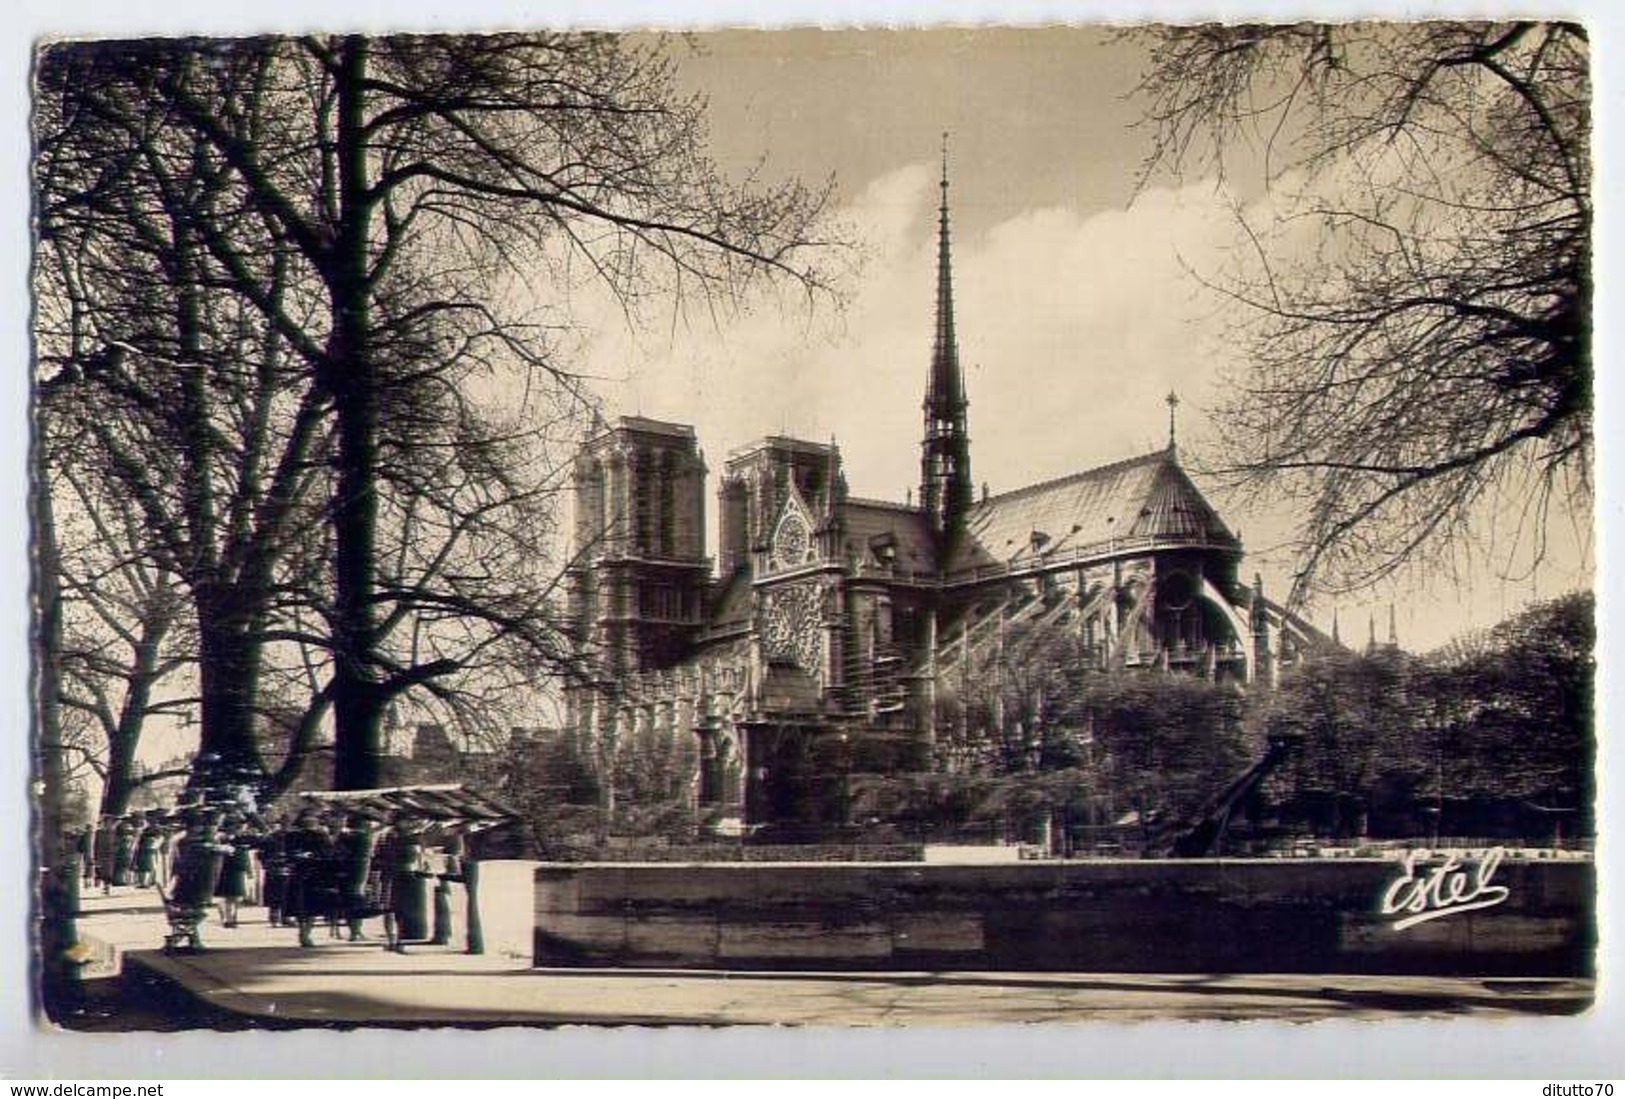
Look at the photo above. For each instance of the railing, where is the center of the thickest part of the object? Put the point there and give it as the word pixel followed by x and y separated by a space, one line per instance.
pixel 1104 549
pixel 742 852
pixel 1044 562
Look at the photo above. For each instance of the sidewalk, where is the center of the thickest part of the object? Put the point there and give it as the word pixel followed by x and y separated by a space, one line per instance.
pixel 256 975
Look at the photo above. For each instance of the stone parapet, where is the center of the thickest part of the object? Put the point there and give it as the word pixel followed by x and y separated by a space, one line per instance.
pixel 1146 916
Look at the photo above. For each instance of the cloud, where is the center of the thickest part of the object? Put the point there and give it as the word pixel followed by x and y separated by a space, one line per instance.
pixel 1073 328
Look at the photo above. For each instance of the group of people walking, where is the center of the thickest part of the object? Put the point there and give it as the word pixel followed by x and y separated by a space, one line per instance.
pixel 367 868
pixel 129 850
pixel 317 870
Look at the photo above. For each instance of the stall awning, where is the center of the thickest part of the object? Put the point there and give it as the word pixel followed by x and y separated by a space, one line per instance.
pixel 452 806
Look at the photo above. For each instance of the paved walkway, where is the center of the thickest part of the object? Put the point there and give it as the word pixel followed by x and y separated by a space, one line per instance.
pixel 256 975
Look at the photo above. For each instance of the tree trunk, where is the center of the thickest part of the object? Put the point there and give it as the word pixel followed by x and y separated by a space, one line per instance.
pixel 119 785
pixel 126 738
pixel 56 930
pixel 228 679
pixel 300 745
pixel 50 772
pixel 350 377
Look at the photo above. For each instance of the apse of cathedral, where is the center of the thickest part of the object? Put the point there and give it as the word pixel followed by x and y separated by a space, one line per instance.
pixel 829 624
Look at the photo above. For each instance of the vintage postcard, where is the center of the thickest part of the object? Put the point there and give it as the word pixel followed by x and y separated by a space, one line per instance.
pixel 936 526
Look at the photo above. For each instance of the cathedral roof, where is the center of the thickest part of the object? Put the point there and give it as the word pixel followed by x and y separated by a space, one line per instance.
pixel 1142 501
pixel 873 526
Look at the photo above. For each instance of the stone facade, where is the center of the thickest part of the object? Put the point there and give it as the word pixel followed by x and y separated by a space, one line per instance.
pixel 829 621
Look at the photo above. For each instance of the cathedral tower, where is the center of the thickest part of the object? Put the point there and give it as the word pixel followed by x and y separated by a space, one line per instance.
pixel 637 589
pixel 945 484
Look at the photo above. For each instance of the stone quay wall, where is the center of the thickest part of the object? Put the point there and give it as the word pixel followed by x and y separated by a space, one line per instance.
pixel 1140 916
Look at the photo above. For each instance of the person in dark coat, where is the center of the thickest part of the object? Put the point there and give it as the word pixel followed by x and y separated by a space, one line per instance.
pixel 125 836
pixel 84 853
pixel 397 883
pixel 355 848
pixel 382 874
pixel 311 892
pixel 198 859
pixel 147 845
pixel 274 861
pixel 103 846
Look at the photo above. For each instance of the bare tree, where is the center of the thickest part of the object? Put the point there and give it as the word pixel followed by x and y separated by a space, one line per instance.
pixel 181 401
pixel 409 172
pixel 428 206
pixel 126 632
pixel 1418 295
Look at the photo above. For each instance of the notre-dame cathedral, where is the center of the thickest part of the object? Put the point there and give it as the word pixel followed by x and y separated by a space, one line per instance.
pixel 830 620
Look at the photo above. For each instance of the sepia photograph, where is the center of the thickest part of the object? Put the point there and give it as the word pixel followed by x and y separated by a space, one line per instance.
pixel 856 527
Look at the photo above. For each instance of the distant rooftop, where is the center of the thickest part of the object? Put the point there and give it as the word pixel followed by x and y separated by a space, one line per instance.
pixel 780 442
pixel 646 426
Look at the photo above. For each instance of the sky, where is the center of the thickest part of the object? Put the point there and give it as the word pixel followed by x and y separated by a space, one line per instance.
pixel 892 134
pixel 1079 305
pixel 1079 293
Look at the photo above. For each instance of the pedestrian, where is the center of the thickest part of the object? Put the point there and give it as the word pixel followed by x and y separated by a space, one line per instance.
pixel 355 847
pixel 148 841
pixel 401 877
pixel 310 893
pixel 273 861
pixel 235 871
pixel 198 859
pixel 381 877
pixel 333 877
pixel 104 846
pixel 125 837
pixel 84 854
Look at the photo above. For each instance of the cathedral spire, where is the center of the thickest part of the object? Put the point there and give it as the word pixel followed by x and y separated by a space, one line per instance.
pixel 945 481
pixel 947 386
